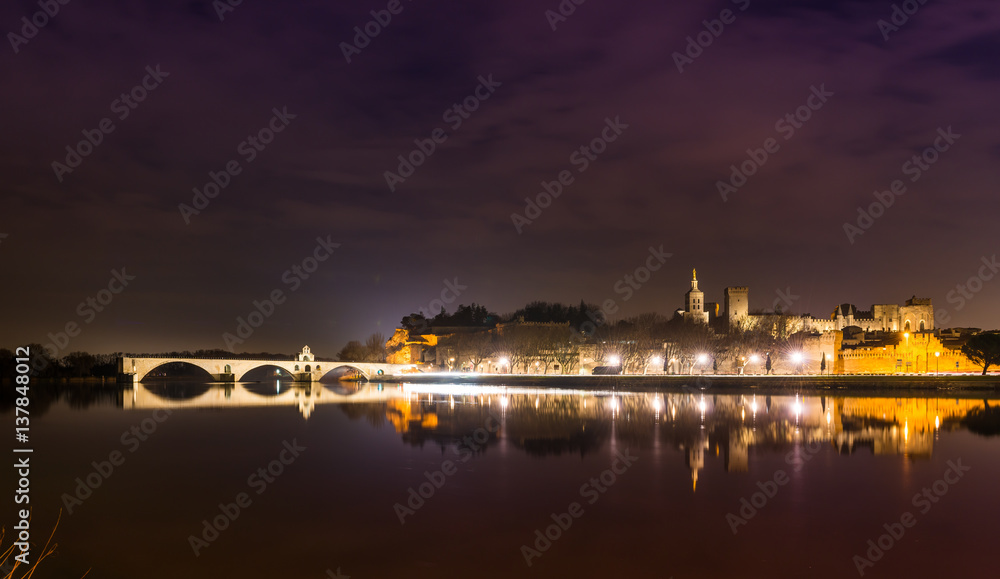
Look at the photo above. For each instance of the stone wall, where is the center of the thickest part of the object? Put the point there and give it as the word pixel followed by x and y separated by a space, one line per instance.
pixel 913 355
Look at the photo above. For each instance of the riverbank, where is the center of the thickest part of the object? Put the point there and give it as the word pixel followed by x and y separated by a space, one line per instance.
pixel 968 384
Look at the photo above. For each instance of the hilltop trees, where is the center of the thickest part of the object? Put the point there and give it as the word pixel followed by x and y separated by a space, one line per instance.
pixel 473 315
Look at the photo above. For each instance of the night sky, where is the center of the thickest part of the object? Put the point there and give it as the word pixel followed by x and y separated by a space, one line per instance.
pixel 887 95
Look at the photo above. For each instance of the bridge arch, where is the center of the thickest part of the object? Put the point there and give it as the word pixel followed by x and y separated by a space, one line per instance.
pixel 203 367
pixel 262 365
pixel 336 366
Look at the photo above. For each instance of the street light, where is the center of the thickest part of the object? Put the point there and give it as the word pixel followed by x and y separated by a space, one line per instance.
pixel 656 361
pixel 937 361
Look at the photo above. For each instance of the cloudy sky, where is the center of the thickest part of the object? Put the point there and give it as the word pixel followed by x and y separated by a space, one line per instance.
pixel 350 105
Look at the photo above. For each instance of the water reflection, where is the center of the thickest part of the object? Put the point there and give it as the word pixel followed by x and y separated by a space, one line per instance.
pixel 542 422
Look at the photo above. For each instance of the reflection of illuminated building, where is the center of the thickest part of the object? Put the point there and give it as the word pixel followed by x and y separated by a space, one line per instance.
pixel 903 426
pixel 695 458
pixel 737 456
pixel 405 417
pixel 542 422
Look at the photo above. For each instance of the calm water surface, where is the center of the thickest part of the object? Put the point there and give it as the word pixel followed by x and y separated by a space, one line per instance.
pixel 664 485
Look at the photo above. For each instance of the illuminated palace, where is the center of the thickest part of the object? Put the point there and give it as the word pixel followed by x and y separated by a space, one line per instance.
pixel 886 339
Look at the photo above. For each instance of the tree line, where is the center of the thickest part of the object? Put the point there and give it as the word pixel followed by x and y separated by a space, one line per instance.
pixel 542 335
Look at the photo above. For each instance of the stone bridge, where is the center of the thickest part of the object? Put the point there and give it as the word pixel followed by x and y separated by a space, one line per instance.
pixel 303 368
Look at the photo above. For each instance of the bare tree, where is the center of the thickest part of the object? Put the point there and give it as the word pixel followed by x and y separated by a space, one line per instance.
pixel 375 350
pixel 694 341
pixel 475 347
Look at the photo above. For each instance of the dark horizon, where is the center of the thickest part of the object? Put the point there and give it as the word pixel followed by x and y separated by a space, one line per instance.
pixel 863 99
